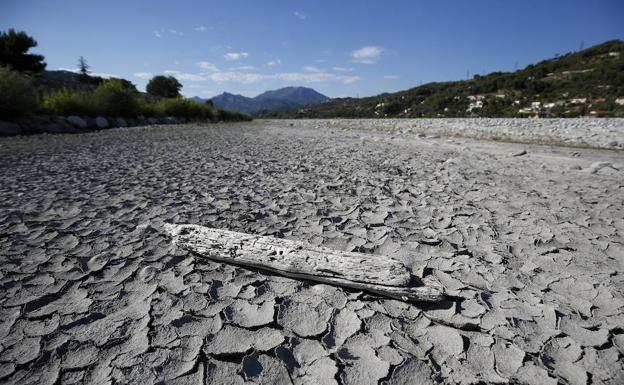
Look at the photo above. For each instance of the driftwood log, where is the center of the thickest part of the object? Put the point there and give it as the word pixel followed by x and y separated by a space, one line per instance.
pixel 373 273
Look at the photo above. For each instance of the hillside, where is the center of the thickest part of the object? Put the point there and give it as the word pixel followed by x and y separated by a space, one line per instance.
pixel 585 83
pixel 283 99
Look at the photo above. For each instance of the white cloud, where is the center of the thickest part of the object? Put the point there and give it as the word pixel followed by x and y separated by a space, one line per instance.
pixel 312 69
pixel 367 55
pixel 391 77
pixel 299 15
pixel 244 68
pixel 186 76
pixel 273 63
pixel 162 32
pixel 238 77
pixel 350 79
pixel 201 28
pixel 241 74
pixel 207 66
pixel 342 69
pixel 143 75
pixel 233 56
pixel 316 77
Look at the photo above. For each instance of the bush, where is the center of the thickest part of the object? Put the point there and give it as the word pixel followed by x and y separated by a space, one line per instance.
pixel 68 102
pixel 115 98
pixel 232 116
pixel 185 108
pixel 17 96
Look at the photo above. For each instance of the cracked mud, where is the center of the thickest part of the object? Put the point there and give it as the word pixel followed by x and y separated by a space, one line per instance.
pixel 528 241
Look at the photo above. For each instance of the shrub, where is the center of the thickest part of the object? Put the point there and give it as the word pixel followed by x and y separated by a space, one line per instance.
pixel 68 102
pixel 185 108
pixel 115 98
pixel 164 87
pixel 232 116
pixel 17 96
pixel 148 109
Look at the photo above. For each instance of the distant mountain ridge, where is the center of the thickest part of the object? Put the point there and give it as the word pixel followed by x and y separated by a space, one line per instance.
pixel 280 100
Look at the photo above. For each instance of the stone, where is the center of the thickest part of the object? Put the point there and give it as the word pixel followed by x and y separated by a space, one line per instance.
pixel 9 128
pixel 121 122
pixel 101 122
pixel 77 121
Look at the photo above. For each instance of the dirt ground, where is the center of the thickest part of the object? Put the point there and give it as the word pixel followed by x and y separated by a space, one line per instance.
pixel 528 241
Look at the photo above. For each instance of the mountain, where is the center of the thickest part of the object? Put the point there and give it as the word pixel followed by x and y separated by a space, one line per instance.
pixel 281 100
pixel 297 95
pixel 585 83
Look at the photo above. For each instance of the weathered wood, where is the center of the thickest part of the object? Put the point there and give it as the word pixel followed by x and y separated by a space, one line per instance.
pixel 378 274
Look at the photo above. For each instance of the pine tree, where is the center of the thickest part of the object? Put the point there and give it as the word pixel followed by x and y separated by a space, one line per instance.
pixel 83 67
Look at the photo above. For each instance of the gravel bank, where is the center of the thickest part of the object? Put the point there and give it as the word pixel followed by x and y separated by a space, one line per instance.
pixel 528 240
pixel 582 132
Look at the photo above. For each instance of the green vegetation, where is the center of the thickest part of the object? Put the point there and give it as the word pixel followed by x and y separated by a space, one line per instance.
pixel 13 52
pixel 114 98
pixel 68 102
pixel 88 95
pixel 164 87
pixel 582 83
pixel 17 98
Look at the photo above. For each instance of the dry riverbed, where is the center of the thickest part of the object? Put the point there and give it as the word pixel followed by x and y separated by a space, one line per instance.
pixel 528 241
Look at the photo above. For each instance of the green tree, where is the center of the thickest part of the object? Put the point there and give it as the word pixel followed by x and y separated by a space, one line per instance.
pixel 164 86
pixel 13 52
pixel 83 67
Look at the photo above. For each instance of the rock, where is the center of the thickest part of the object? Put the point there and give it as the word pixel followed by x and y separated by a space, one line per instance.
pixel 101 122
pixel 121 122
pixel 152 120
pixel 519 153
pixel 597 166
pixel 77 121
pixel 8 128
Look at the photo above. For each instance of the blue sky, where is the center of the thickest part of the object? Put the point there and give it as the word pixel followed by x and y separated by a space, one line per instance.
pixel 340 48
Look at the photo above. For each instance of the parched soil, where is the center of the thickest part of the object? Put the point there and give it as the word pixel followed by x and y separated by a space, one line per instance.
pixel 528 241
